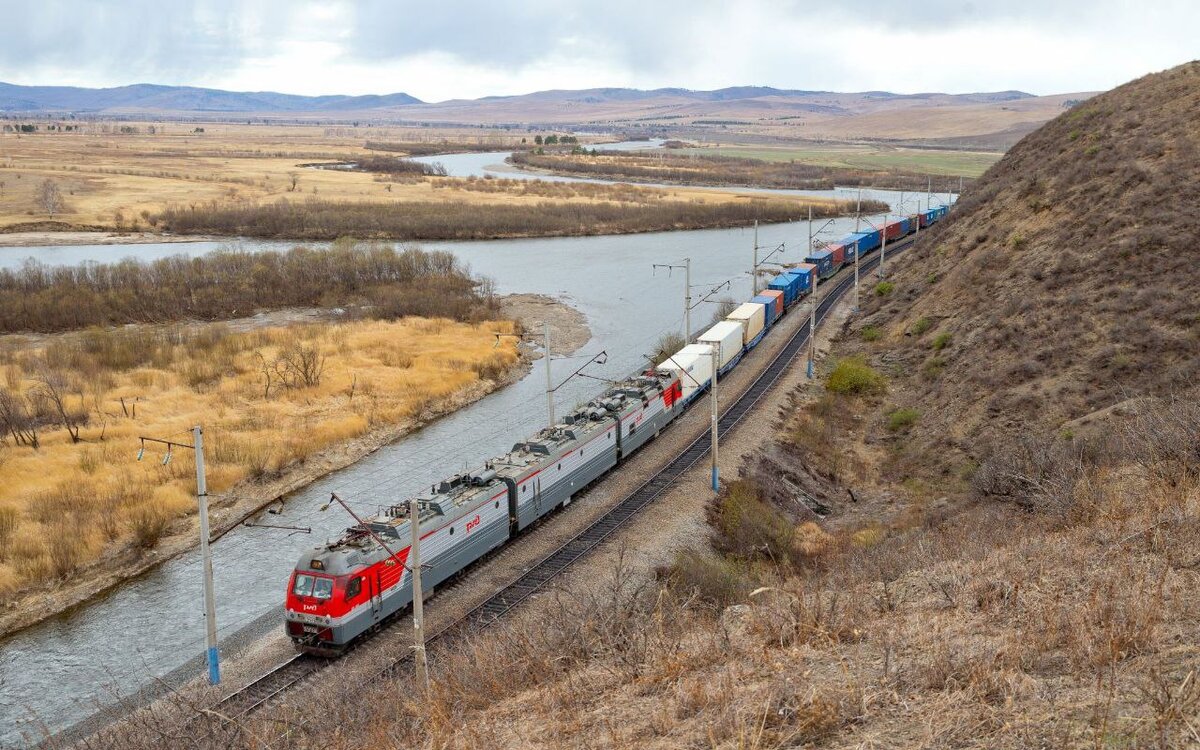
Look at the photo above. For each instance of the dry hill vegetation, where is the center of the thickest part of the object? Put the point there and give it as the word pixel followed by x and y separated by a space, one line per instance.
pixel 1062 284
pixel 73 404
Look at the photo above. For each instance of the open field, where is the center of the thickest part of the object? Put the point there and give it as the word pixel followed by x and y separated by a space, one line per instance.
pixel 863 156
pixel 673 166
pixel 268 399
pixel 110 180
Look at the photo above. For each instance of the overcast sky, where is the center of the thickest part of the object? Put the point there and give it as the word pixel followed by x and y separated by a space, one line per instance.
pixel 444 49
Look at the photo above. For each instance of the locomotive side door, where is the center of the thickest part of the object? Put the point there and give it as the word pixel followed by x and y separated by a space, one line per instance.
pixel 376 596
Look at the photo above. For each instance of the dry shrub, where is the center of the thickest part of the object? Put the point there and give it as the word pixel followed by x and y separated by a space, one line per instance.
pixel 714 579
pixel 9 522
pixel 376 278
pixel 147 523
pixel 1119 619
pixel 749 528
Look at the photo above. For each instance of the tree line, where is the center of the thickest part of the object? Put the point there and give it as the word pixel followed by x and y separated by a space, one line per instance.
pixel 316 219
pixel 375 278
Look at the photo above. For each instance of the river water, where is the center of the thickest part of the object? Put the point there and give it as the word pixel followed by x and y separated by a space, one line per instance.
pixel 59 672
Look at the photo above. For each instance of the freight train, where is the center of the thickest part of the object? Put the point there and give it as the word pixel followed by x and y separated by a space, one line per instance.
pixel 345 588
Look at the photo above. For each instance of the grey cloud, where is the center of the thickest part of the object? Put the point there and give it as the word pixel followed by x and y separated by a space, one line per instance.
pixel 512 34
pixel 127 40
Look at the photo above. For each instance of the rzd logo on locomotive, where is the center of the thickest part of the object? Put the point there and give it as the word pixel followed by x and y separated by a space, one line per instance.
pixel 472 524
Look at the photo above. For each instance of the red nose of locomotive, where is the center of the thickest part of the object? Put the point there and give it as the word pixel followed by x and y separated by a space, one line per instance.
pixel 311 595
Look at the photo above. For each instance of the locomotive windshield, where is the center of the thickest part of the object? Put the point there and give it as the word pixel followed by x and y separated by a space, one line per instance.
pixel 314 586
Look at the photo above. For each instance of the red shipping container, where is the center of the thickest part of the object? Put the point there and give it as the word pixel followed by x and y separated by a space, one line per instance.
pixel 839 254
pixel 776 295
pixel 894 229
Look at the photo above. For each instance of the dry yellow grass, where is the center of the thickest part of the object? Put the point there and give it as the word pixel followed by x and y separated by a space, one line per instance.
pixel 118 181
pixel 68 503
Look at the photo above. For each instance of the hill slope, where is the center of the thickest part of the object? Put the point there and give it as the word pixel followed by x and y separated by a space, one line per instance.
pixel 1064 281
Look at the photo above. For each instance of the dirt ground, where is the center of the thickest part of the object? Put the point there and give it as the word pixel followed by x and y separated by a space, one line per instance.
pixel 569 327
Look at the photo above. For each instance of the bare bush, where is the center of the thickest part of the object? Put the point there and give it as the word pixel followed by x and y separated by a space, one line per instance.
pixel 1032 472
pixel 51 393
pixel 50 197
pixel 17 418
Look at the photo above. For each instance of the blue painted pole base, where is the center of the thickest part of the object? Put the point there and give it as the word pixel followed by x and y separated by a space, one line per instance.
pixel 715 481
pixel 214 667
pixel 810 369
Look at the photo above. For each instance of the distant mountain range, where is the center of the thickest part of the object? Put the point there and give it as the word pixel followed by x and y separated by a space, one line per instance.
pixel 152 98
pixel 147 98
pixel 987 119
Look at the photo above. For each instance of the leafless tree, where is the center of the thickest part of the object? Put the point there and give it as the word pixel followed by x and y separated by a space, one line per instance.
pixel 51 390
pixel 50 197
pixel 302 365
pixel 298 365
pixel 17 419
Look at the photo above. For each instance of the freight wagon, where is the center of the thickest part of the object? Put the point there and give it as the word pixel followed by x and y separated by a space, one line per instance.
pixel 752 317
pixel 823 260
pixel 771 309
pixel 727 337
pixel 787 284
pixel 776 297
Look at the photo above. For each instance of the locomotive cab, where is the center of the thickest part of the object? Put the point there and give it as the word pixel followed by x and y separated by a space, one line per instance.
pixel 321 592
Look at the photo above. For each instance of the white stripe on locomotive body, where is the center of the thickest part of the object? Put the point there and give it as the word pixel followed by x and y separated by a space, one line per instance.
pixel 552 472
pixel 442 541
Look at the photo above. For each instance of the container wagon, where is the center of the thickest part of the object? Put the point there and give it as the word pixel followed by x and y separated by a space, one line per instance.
pixel 771 310
pixel 788 285
pixel 823 260
pixel 807 274
pixel 728 337
pixel 752 317
pixel 777 296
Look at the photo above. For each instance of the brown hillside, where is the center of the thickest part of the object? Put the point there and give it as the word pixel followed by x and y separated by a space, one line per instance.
pixel 1064 280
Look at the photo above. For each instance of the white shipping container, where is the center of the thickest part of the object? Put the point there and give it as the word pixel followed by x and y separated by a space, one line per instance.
pixel 728 334
pixel 694 365
pixel 753 318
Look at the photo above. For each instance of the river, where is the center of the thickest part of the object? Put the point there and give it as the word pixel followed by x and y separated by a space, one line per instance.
pixel 59 672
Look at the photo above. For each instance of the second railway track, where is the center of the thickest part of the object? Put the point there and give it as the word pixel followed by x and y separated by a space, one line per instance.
pixel 271 685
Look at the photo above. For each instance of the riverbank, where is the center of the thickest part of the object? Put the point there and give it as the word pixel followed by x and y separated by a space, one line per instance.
pixel 54 238
pixel 247 498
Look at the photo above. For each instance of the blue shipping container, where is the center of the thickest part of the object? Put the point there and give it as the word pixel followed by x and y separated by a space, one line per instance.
pixel 789 285
pixel 867 241
pixel 805 277
pixel 823 260
pixel 769 313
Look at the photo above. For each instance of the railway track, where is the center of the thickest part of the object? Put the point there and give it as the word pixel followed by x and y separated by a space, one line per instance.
pixel 266 688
